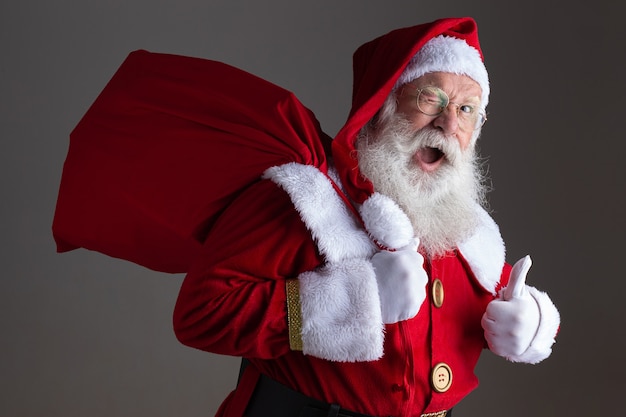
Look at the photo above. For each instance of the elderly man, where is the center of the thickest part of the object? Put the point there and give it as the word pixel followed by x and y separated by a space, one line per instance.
pixel 372 288
pixel 357 277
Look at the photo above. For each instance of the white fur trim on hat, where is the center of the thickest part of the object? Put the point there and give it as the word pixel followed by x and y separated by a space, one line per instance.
pixel 448 54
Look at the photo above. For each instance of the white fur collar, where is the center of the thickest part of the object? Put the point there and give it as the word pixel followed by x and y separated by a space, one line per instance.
pixel 484 251
pixel 339 235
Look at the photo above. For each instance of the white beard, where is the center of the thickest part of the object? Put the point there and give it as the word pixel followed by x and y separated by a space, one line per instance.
pixel 441 204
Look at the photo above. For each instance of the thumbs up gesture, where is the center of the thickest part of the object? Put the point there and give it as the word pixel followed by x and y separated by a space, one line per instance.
pixel 511 322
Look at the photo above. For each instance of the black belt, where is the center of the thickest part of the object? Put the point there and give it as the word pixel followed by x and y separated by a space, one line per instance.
pixel 272 399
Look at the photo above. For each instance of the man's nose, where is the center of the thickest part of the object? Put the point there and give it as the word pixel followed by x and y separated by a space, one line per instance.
pixel 448 120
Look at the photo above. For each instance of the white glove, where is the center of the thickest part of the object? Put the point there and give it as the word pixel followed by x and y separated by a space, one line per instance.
pixel 511 322
pixel 401 282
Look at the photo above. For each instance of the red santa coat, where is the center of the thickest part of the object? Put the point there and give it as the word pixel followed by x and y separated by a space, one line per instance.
pixel 233 301
pixel 240 252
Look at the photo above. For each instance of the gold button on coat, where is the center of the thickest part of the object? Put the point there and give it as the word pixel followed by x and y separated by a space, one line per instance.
pixel 437 293
pixel 441 377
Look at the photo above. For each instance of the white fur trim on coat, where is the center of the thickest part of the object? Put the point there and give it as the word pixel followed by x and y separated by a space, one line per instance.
pixel 341 316
pixel 336 231
pixel 541 346
pixel 347 249
pixel 386 222
pixel 484 251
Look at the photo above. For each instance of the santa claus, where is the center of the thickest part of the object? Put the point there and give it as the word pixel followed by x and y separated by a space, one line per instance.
pixel 368 279
pixel 372 287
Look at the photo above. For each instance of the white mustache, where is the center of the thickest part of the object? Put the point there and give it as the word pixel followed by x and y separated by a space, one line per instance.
pixel 431 138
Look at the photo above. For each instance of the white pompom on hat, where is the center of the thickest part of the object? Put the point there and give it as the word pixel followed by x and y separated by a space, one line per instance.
pixel 448 54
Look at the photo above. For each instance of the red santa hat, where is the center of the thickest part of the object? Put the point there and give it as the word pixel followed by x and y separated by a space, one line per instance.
pixel 385 63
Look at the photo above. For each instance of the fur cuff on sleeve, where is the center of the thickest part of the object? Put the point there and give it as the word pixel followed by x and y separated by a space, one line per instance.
pixel 541 346
pixel 341 316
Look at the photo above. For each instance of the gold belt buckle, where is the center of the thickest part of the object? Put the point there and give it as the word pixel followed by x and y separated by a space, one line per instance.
pixel 437 414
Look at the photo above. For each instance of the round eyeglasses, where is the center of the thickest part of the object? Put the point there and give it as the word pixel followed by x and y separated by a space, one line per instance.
pixel 432 101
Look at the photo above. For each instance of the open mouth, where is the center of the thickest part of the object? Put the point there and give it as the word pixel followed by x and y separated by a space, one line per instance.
pixel 429 159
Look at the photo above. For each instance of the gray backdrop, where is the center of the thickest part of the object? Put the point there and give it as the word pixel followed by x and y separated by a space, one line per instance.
pixel 88 335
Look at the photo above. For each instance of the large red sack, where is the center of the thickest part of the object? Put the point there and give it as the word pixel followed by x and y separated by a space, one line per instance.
pixel 165 148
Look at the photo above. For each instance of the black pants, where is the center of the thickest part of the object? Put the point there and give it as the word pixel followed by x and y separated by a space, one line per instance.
pixel 272 399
